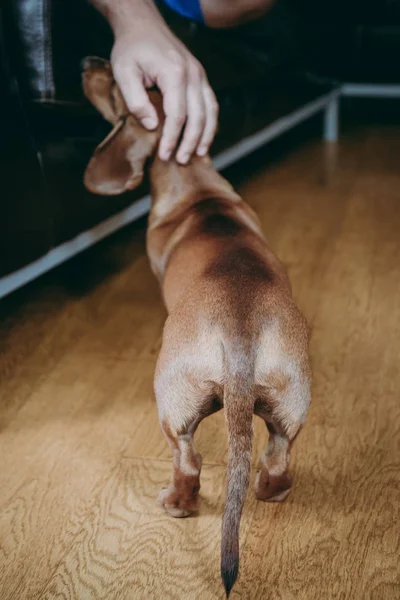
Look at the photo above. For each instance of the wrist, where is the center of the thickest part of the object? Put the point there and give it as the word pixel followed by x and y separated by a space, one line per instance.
pixel 125 16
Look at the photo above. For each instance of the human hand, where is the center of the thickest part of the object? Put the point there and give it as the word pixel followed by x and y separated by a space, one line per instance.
pixel 148 54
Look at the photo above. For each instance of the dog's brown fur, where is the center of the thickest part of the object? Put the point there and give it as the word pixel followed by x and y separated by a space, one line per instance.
pixel 233 337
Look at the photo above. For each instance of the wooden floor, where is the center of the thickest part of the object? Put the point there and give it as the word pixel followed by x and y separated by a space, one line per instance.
pixel 82 456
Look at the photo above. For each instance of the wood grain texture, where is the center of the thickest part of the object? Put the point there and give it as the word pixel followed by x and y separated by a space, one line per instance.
pixel 82 455
pixel 130 548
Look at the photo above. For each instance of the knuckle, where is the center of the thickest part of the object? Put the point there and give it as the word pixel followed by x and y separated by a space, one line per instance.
pixel 214 107
pixel 177 67
pixel 199 67
pixel 175 56
pixel 197 72
pixel 179 72
pixel 136 107
pixel 120 63
pixel 119 70
pixel 198 114
pixel 211 100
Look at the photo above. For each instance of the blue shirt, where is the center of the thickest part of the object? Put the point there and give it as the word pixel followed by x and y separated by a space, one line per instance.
pixel 187 8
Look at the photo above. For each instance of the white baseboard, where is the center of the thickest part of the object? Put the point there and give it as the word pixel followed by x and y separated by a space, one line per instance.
pixel 139 208
pixel 371 90
pixel 275 129
pixel 68 249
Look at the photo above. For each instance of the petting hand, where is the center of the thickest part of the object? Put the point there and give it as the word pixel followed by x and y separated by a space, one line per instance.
pixel 149 54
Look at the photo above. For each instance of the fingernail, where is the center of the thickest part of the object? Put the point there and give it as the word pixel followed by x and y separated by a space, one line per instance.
pixel 202 151
pixel 149 122
pixel 183 158
pixel 164 154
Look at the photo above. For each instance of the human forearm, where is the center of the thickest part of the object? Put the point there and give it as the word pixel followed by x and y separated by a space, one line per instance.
pixel 123 14
pixel 231 13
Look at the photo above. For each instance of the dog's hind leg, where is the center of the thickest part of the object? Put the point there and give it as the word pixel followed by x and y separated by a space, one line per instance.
pixel 273 481
pixel 284 422
pixel 180 499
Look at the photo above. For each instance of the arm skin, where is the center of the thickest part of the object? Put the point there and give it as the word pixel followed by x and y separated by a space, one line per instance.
pixel 221 14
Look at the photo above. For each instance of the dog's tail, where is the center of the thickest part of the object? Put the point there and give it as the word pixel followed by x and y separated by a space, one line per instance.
pixel 239 406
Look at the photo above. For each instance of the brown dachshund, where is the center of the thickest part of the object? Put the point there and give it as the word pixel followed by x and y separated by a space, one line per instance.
pixel 233 336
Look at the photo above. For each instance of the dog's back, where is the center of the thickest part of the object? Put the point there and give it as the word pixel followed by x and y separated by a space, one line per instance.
pixel 227 293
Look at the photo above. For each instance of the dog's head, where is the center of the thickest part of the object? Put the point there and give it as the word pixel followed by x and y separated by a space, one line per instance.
pixel 118 162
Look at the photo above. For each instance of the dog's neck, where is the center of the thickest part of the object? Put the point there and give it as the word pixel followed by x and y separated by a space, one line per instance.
pixel 175 186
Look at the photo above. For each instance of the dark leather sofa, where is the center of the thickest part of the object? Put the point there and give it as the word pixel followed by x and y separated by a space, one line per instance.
pixel 259 73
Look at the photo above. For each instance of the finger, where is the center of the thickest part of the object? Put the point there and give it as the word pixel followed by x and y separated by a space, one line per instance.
pixel 137 100
pixel 212 110
pixel 173 88
pixel 195 123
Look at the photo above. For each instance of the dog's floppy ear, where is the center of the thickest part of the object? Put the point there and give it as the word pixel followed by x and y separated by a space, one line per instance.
pixel 98 85
pixel 118 162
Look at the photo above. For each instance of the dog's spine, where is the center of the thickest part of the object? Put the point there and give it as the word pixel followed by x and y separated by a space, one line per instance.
pixel 239 406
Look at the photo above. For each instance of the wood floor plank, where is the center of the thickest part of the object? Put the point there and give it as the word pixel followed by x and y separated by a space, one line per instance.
pixel 129 548
pixel 56 454
pixel 120 330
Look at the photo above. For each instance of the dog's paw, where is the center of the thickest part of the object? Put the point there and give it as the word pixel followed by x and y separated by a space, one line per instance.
pixel 175 505
pixel 271 488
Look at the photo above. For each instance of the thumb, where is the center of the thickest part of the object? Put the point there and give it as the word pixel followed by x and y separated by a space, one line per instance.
pixel 137 100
